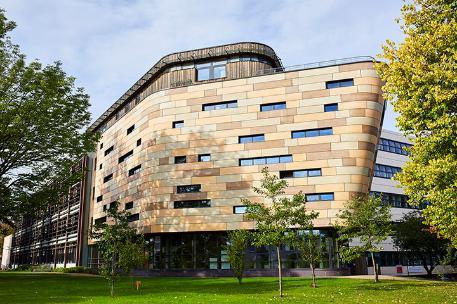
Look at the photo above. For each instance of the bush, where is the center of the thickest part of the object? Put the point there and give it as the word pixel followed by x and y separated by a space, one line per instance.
pixel 41 268
pixel 78 269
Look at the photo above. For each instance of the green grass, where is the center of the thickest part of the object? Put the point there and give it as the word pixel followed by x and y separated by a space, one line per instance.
pixel 67 288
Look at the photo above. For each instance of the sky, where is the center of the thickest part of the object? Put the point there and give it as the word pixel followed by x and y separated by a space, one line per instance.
pixel 109 44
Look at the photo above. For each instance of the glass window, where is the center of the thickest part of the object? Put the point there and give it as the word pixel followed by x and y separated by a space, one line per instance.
pixel 192 204
pixel 188 188
pixel 331 107
pixel 180 159
pixel 327 196
pixel 178 124
pixel 108 178
pixel 339 83
pixel 204 157
pixel 211 70
pixel 134 170
pixel 203 74
pixel 385 171
pixel 239 209
pixel 128 205
pixel 298 134
pixel 312 197
pixel 245 162
pixel 300 173
pixel 393 146
pixel 134 217
pixel 272 160
pixel 272 106
pixel 314 172
pixel 260 161
pixel 326 131
pixel 265 160
pixel 286 159
pixel 312 133
pixel 138 142
pixel 130 129
pixel 220 105
pixel 99 198
pixel 109 150
pixel 251 138
pixel 125 156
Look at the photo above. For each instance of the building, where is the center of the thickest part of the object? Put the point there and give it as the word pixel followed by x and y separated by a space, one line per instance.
pixel 189 139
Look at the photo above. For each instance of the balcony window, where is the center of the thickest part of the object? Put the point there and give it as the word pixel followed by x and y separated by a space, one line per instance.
pixel 211 70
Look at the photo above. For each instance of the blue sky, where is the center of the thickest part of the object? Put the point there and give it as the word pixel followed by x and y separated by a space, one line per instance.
pixel 108 45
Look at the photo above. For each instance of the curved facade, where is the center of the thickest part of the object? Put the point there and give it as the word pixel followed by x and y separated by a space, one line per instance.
pixel 182 158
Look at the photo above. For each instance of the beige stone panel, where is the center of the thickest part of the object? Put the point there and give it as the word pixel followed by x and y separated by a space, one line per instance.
pixel 228 178
pixel 312 86
pixel 321 222
pixel 265 145
pixel 210 92
pixel 245 117
pixel 204 180
pixel 348 105
pixel 174 111
pixel 238 170
pixel 329 188
pixel 263 129
pixel 318 205
pixel 355 137
pixel 292 89
pixel 314 117
pixel 349 129
pixel 266 92
pixel 352 96
pixel 318 140
pixel 277 135
pixel 187 95
pixel 233 83
pixel 273 151
pixel 291 190
pixel 291 75
pixel 327 155
pixel 203 100
pixel 213 120
pixel 328 171
pixel 334 179
pixel 368 73
pixel 312 79
pixel 235 89
pixel 315 94
pixel 228 126
pixel 296 165
pixel 353 187
pixel 344 90
pixel 358 179
pixel 347 74
pixel 333 213
pixel 234 96
pixel 342 114
pixel 373 113
pixel 276 113
pixel 320 100
pixel 356 66
pixel 362 121
pixel 368 80
pixel 318 71
pixel 309 109
pixel 267 78
pixel 375 106
pixel 352 170
pixel 261 122
pixel 232 162
pixel 363 162
pixel 240 225
pixel 272 84
pixel 345 145
pixel 335 162
pixel 365 88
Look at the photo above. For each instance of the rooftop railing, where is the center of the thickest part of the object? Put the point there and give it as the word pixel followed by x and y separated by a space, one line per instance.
pixel 314 65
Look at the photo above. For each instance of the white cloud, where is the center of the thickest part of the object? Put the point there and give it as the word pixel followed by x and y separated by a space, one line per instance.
pixel 108 45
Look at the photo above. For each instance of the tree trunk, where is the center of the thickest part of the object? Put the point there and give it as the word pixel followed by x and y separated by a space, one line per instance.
pixel 375 268
pixel 112 288
pixel 279 270
pixel 240 279
pixel 313 284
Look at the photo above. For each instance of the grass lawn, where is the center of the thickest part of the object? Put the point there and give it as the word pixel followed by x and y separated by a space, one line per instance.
pixel 67 288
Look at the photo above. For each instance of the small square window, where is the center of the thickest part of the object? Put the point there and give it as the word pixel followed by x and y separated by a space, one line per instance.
pixel 101 146
pixel 99 198
pixel 138 142
pixel 101 166
pixel 128 205
pixel 239 209
pixel 331 107
pixel 130 129
pixel 180 159
pixel 178 124
pixel 204 157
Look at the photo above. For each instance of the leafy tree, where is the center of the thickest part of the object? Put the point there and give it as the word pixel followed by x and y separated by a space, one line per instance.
pixel 421 81
pixel 42 116
pixel 419 241
pixel 238 241
pixel 276 216
pixel 365 222
pixel 119 246
pixel 312 249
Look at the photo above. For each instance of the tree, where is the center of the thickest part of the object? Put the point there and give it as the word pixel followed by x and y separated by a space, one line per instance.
pixel 365 223
pixel 421 81
pixel 119 246
pixel 312 248
pixel 238 241
pixel 42 116
pixel 276 216
pixel 419 241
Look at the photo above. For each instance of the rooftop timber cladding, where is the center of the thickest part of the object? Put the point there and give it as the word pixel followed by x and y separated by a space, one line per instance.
pixel 344 153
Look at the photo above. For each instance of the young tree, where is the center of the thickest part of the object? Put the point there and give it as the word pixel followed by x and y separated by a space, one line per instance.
pixel 42 115
pixel 276 216
pixel 421 75
pixel 365 222
pixel 417 239
pixel 119 246
pixel 312 249
pixel 238 241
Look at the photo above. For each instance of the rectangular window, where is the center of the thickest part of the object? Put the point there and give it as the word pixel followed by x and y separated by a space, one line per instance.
pixel 178 124
pixel 100 166
pixel 385 171
pixel 109 150
pixel 125 156
pixel 204 157
pixel 128 205
pixel 395 200
pixel 273 106
pixel 108 178
pixel 100 220
pixel 180 159
pixel 210 70
pixel 192 204
pixel 133 217
pixel 313 197
pixel 134 170
pixel 251 138
pixel 138 142
pixel 312 132
pixel 393 146
pixel 331 107
pixel 339 83
pixel 99 198
pixel 130 129
pixel 300 173
pixel 188 188
pixel 265 160
pixel 101 146
pixel 220 105
pixel 239 209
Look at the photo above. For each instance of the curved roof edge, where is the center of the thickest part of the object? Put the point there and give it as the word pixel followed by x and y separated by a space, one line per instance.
pixel 187 56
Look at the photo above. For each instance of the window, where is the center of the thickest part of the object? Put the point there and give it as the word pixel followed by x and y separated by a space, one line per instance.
pixel 130 129
pixel 188 188
pixel 138 142
pixel 273 106
pixel 312 132
pixel 192 204
pixel 99 198
pixel 339 83
pixel 100 166
pixel 319 197
pixel 101 146
pixel 331 107
pixel 180 159
pixel 204 157
pixel 265 160
pixel 251 138
pixel 128 205
pixel 133 217
pixel 220 105
pixel 134 170
pixel 385 171
pixel 210 70
pixel 300 173
pixel 100 220
pixel 106 207
pixel 178 124
pixel 108 178
pixel 393 146
pixel 125 156
pixel 109 150
pixel 239 209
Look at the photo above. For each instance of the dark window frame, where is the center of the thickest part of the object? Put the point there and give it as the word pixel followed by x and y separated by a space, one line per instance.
pixel 195 188
pixel 178 124
pixel 331 107
pixel 201 156
pixel 130 129
pixel 245 139
pixel 203 203
pixel 108 177
pixel 125 156
pixel 341 83
pixel 134 170
pixel 310 132
pixel 273 106
pixel 393 146
pixel 181 159
pixel 128 205
pixel 321 197
pixel 237 207
pixel 211 67
pixel 265 160
pixel 300 173
pixel 220 105
pixel 109 150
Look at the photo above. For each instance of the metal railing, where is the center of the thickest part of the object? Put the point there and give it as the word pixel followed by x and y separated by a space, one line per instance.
pixel 314 65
